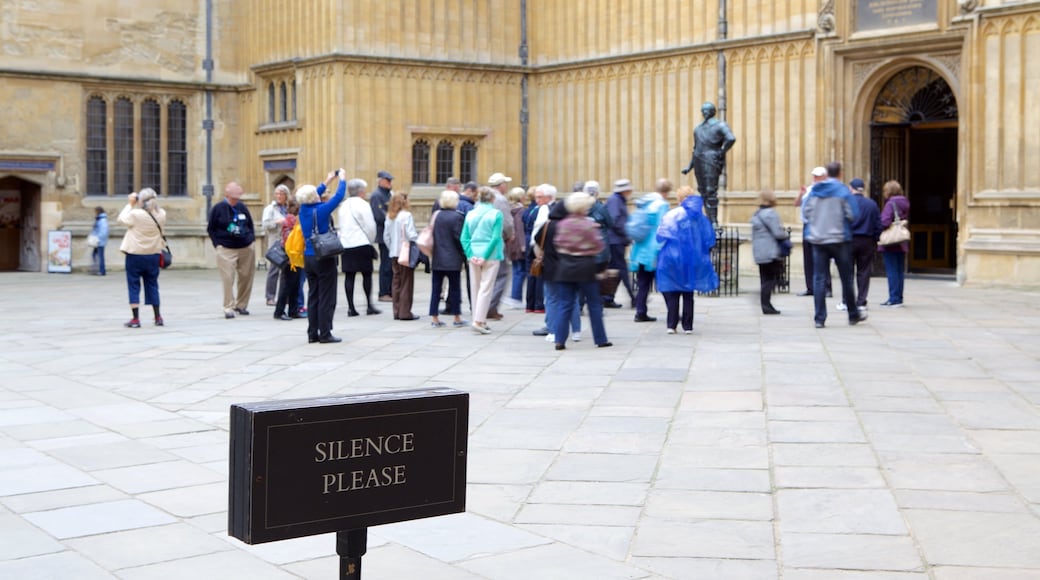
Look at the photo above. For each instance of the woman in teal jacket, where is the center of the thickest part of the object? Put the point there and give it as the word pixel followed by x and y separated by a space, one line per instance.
pixel 482 242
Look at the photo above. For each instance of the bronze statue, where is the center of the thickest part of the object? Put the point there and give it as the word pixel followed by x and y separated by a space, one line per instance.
pixel 711 140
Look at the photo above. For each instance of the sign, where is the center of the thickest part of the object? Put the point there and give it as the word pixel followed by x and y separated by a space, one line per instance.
pixel 312 466
pixel 879 14
pixel 59 251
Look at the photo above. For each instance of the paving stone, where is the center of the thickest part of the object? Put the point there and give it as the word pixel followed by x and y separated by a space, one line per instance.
pixel 48 500
pixel 609 541
pixel 507 466
pixel 98 518
pixel 815 432
pixel 60 565
pixel 602 467
pixel 600 515
pixel 186 502
pixel 157 476
pixel 551 561
pixel 704 539
pixel 959 501
pixel 460 537
pixel 850 552
pixel 499 502
pixel 721 401
pixel 150 545
pixel 949 472
pixel 42 477
pixel 586 441
pixel 20 539
pixel 828 477
pixel 121 453
pixel 804 574
pixel 688 505
pixel 960 538
pixel 229 564
pixel 683 477
pixel 975 573
pixel 823 454
pixel 387 562
pixel 696 568
pixel 591 493
pixel 839 511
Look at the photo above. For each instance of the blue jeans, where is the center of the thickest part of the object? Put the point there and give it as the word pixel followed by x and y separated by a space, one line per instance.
pixel 895 263
pixel 99 259
pixel 842 255
pixel 142 267
pixel 554 305
pixel 519 277
pixel 453 303
pixel 568 295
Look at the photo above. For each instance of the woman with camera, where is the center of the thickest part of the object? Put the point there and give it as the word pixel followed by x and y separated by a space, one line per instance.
pixel 142 243
pixel 315 216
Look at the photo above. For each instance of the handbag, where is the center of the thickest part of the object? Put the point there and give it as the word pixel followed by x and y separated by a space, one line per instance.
pixel 897 232
pixel 785 247
pixel 408 252
pixel 425 241
pixel 326 245
pixel 165 255
pixel 93 241
pixel 539 257
pixel 277 255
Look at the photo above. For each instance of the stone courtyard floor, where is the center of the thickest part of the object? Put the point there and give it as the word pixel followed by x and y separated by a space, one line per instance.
pixel 905 448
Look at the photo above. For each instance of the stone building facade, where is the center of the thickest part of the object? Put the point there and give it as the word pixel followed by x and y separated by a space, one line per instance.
pixel 184 96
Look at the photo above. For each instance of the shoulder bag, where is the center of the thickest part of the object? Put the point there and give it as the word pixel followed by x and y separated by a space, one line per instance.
pixel 277 256
pixel 897 232
pixel 425 240
pixel 165 255
pixel 408 253
pixel 539 257
pixel 325 245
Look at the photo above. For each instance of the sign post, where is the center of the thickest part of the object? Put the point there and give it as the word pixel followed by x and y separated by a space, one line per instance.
pixel 340 464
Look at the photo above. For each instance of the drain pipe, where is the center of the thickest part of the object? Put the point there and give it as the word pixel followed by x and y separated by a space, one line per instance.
pixel 524 112
pixel 721 108
pixel 207 123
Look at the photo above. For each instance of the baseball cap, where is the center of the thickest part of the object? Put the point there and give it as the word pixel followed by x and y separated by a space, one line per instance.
pixel 385 175
pixel 819 172
pixel 498 179
pixel 622 185
pixel 857 184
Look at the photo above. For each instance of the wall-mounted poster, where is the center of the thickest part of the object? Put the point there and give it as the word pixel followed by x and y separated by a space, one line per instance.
pixel 10 208
pixel 59 251
pixel 879 14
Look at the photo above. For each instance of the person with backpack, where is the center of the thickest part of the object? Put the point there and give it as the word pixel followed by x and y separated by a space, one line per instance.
pixel 289 289
pixel 641 228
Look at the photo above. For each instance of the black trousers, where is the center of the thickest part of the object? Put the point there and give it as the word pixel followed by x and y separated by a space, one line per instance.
pixel 769 276
pixel 643 281
pixel 386 273
pixel 863 249
pixel 288 293
pixel 321 295
pixel 671 300
pixel 617 262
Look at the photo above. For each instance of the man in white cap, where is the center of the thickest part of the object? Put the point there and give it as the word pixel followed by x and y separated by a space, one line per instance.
pixel 617 240
pixel 499 183
pixel 818 174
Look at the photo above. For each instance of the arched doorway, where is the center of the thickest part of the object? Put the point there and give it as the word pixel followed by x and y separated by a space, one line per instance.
pixel 913 140
pixel 19 225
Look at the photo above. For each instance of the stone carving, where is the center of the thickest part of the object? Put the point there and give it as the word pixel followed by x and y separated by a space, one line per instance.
pixel 825 22
pixel 968 6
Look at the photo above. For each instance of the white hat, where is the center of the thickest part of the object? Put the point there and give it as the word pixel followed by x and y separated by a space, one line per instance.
pixel 498 179
pixel 622 185
pixel 819 172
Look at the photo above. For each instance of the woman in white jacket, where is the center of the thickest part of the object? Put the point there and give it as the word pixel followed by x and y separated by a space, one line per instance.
pixel 142 243
pixel 357 233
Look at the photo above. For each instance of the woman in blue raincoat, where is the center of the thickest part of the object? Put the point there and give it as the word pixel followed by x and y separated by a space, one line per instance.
pixel 684 261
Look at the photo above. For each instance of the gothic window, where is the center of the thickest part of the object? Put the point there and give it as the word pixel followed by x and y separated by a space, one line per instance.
pixel 468 162
pixel 151 145
pixel 177 148
pixel 270 103
pixel 420 162
pixel 284 101
pixel 445 160
pixel 97 146
pixel 293 100
pixel 124 146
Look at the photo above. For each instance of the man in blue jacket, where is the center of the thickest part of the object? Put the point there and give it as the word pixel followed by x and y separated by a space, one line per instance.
pixel 866 230
pixel 829 211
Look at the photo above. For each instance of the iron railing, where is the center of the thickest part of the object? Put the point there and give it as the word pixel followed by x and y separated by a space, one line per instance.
pixel 725 256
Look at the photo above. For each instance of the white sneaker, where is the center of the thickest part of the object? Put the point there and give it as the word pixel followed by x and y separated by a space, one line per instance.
pixel 864 307
pixel 671 331
pixel 550 338
pixel 687 332
pixel 841 306
pixel 576 336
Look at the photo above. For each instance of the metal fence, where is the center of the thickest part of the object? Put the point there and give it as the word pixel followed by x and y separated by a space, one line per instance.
pixel 725 256
pixel 784 285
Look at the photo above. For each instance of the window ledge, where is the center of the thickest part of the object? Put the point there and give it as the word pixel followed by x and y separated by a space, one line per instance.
pixel 283 126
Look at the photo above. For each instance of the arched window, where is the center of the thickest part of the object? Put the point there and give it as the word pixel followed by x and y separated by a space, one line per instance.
pixel 294 100
pixel 468 162
pixel 270 103
pixel 124 146
pixel 177 148
pixel 445 160
pixel 420 162
pixel 97 146
pixel 151 145
pixel 284 100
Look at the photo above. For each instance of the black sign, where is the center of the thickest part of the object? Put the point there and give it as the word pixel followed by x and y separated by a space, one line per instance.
pixel 311 466
pixel 877 14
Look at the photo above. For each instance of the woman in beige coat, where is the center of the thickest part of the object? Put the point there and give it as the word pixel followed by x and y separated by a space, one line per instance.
pixel 142 243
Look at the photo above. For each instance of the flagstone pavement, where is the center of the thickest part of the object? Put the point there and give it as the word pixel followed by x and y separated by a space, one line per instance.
pixel 904 448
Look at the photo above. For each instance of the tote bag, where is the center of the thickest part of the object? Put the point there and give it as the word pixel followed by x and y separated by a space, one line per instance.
pixel 896 232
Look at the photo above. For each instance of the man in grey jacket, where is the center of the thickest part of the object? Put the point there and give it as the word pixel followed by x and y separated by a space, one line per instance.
pixel 829 213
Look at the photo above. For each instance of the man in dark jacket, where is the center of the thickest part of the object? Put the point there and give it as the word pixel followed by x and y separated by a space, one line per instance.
pixel 231 231
pixel 380 199
pixel 866 229
pixel 617 240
